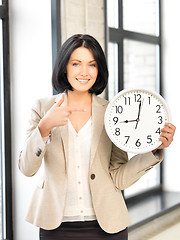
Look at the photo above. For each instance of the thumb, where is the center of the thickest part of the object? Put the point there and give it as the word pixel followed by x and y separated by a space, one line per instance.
pixel 60 101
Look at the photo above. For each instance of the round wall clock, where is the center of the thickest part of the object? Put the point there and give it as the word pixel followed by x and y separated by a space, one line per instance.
pixel 133 120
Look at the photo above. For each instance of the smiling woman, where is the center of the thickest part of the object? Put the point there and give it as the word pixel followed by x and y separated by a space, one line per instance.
pixel 96 54
pixel 82 69
pixel 84 172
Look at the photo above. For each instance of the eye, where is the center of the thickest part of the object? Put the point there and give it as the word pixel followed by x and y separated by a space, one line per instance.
pixel 75 64
pixel 92 65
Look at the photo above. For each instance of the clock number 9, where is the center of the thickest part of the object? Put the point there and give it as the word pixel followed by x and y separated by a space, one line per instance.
pixel 115 119
pixel 117 131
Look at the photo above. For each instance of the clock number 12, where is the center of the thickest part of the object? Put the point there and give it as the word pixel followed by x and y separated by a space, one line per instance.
pixel 137 97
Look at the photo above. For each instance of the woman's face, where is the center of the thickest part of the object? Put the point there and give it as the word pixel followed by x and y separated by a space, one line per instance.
pixel 82 69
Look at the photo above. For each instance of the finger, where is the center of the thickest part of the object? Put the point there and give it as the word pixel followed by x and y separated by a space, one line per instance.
pixel 165 142
pixel 167 136
pixel 60 101
pixel 166 139
pixel 167 130
pixel 170 126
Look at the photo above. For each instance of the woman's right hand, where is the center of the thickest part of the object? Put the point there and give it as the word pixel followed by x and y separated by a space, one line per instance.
pixel 56 116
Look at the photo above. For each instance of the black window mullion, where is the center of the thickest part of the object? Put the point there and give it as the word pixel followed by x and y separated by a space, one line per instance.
pixel 160 72
pixel 121 65
pixel 115 35
pixel 3 11
pixel 7 124
pixel 56 30
pixel 120 11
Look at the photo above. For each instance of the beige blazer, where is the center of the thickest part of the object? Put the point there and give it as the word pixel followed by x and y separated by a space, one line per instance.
pixel 109 173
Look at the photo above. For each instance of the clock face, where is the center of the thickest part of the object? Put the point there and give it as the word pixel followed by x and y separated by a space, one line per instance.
pixel 133 120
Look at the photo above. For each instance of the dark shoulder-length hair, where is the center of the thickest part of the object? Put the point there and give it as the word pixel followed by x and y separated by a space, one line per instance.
pixel 59 76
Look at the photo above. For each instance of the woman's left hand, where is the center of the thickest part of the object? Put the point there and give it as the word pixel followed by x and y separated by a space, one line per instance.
pixel 167 134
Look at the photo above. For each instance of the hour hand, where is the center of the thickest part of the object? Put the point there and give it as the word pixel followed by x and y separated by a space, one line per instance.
pixel 127 121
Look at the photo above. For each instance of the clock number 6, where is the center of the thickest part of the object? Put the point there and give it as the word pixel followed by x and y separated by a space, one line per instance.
pixel 138 143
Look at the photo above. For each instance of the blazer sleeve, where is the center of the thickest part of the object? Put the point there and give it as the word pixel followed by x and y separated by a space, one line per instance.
pixel 125 172
pixel 31 156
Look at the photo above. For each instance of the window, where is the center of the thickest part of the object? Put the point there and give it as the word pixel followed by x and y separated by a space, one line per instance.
pixel 134 59
pixel 5 128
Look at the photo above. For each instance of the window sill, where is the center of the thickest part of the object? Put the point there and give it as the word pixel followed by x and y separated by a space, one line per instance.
pixel 152 206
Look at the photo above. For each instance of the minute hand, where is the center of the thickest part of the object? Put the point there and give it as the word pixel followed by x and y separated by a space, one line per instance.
pixel 137 120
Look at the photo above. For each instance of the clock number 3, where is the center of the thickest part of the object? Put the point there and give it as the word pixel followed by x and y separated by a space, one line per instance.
pixel 160 120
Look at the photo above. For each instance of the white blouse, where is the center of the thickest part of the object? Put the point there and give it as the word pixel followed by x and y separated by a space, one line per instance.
pixel 78 205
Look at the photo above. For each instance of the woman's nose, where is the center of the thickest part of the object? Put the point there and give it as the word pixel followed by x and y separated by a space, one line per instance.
pixel 84 71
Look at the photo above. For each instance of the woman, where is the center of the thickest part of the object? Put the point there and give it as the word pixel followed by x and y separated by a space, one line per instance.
pixel 79 195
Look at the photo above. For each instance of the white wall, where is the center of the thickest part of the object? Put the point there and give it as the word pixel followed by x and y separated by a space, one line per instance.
pixel 30 39
pixel 171 76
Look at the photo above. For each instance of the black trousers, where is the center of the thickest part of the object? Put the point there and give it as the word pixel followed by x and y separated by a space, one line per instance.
pixel 89 230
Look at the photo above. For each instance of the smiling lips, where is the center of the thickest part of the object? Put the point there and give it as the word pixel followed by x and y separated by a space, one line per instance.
pixel 83 80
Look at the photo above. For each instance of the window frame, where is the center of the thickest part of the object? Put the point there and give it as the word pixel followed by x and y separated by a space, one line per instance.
pixel 56 30
pixel 117 35
pixel 6 176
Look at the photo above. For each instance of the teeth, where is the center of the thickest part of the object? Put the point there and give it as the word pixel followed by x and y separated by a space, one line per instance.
pixel 81 80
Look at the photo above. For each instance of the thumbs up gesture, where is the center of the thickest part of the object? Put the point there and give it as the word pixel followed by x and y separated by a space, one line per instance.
pixel 56 116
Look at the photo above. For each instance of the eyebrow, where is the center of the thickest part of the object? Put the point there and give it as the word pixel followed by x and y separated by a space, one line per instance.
pixel 81 61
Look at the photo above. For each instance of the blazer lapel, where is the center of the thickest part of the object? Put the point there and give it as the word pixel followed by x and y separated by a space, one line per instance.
pixel 63 130
pixel 98 109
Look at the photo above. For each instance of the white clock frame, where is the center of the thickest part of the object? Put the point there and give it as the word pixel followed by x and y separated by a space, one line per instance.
pixel 139 131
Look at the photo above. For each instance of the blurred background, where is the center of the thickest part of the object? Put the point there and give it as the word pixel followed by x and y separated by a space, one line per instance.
pixel 141 41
